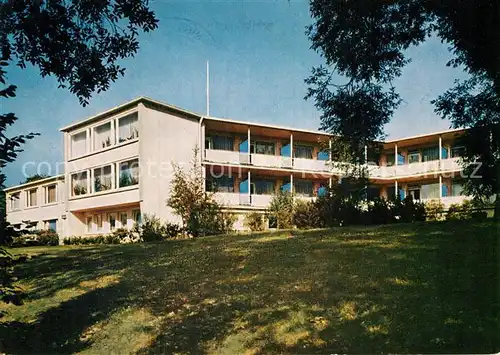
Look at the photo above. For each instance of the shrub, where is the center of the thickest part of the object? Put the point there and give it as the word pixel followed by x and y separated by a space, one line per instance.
pixel 98 239
pixel 172 230
pixel 306 215
pixel 151 229
pixel 379 212
pixel 36 238
pixel 47 237
pixel 281 208
pixel 434 210
pixel 254 221
pixel 461 211
pixel 479 215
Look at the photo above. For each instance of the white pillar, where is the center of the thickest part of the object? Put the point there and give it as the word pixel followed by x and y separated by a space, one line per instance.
pixel 202 142
pixel 249 189
pixel 440 187
pixel 291 145
pixel 440 149
pixel 366 155
pixel 113 176
pixel 395 154
pixel 330 157
pixel 330 182
pixel 249 155
pixel 396 188
pixel 291 183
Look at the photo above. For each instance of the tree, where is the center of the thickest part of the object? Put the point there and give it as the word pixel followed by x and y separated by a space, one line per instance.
pixel 200 213
pixel 364 42
pixel 281 208
pixel 79 42
pixel 34 177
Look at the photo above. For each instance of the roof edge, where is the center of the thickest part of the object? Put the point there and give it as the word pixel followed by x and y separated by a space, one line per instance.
pixel 34 183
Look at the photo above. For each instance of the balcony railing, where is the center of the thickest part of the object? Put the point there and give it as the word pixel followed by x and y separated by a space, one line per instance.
pixel 234 199
pixel 276 161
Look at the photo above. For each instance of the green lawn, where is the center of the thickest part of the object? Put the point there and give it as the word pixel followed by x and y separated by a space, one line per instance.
pixel 426 288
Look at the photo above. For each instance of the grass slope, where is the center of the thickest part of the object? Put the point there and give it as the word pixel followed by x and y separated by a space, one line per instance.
pixel 427 288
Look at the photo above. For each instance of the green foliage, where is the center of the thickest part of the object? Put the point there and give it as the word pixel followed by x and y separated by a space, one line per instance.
pixel 8 292
pixel 172 230
pixel 36 238
pixel 200 213
pixel 151 229
pixel 434 210
pixel 364 45
pixel 306 215
pixel 254 221
pixel 34 177
pixel 100 239
pixel 379 212
pixel 281 207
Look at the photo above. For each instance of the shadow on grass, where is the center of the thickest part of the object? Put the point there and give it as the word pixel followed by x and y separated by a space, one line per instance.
pixel 406 288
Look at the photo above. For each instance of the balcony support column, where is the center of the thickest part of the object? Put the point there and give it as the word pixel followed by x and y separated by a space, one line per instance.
pixel 291 147
pixel 440 151
pixel 291 183
pixel 396 188
pixel 440 188
pixel 249 155
pixel 395 154
pixel 249 182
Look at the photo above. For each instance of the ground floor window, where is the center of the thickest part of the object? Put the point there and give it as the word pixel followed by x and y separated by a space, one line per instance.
pixel 123 219
pixel 304 188
pixel 137 217
pixel 51 225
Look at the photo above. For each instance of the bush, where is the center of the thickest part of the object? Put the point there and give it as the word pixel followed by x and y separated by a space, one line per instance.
pixel 434 210
pixel 36 238
pixel 281 208
pixel 379 212
pixel 306 215
pixel 151 229
pixel 172 230
pixel 254 221
pixel 461 211
pixel 98 239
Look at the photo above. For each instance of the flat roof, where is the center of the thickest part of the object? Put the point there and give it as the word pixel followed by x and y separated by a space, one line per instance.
pixel 34 183
pixel 123 107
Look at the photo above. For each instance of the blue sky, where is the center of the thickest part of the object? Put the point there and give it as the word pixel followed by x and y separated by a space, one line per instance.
pixel 259 57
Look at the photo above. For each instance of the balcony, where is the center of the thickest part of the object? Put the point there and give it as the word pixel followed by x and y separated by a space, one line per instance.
pixel 222 156
pixel 272 161
pixel 422 168
pixel 310 164
pixel 233 199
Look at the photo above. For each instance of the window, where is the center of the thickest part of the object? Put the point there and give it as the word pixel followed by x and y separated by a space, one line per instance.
pixel 103 179
pixel 390 159
pixel 266 148
pixel 89 224
pixel 322 191
pixel 129 173
pixel 79 144
pixel 444 190
pixel 51 225
pixel 391 193
pixel 128 128
pixel 123 219
pixel 430 154
pixel 222 143
pixel 413 157
pixel 15 201
pixel 286 187
pixel 222 184
pixel 263 187
pixel 79 183
pixel 429 191
pixel 444 153
pixel 112 221
pixel 457 189
pixel 414 192
pixel 103 136
pixel 301 151
pixel 136 214
pixel 304 188
pixel 98 222
pixel 457 151
pixel 50 194
pixel 323 156
pixel 31 198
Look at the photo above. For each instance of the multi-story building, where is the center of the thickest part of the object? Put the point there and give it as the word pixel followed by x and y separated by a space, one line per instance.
pixel 118 166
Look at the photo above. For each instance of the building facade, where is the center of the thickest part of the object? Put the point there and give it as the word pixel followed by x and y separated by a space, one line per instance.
pixel 118 167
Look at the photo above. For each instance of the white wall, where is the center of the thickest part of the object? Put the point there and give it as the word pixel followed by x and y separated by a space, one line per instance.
pixel 165 138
